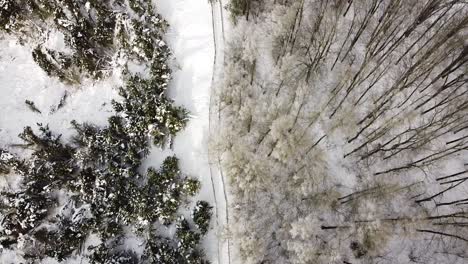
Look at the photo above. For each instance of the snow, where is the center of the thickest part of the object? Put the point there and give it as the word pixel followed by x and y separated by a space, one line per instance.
pixel 191 44
pixel 22 79
pixel 190 38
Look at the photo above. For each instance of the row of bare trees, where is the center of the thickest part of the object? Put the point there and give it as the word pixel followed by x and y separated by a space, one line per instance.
pixel 353 114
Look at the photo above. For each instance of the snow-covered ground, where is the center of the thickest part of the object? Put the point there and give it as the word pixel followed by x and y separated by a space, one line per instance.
pixel 191 39
pixel 22 79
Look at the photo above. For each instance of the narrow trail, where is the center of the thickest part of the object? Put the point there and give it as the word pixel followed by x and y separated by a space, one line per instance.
pixel 216 173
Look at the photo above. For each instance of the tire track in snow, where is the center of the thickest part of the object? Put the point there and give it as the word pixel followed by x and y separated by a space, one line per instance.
pixel 218 34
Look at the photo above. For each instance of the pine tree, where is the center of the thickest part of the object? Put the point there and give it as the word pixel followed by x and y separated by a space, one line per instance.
pixel 202 215
pixel 98 171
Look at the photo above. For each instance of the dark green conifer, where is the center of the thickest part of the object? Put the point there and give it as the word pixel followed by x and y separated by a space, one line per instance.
pixel 98 172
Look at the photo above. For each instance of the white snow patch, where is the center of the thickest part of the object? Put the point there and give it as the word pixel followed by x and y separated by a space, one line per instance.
pixel 190 38
pixel 22 79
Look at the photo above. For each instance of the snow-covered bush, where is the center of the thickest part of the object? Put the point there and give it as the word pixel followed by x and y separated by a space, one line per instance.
pixel 106 193
pixel 202 215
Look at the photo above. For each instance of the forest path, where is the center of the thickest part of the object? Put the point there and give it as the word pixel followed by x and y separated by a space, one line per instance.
pixel 217 177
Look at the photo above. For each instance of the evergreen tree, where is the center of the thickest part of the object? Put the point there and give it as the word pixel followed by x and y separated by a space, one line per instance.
pixel 202 215
pixel 92 185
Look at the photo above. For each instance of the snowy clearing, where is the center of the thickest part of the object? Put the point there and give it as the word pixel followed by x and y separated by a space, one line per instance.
pixel 22 80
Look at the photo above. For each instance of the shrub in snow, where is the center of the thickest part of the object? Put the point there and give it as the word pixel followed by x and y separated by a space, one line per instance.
pixel 104 255
pixel 202 215
pixel 106 192
pixel 155 113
